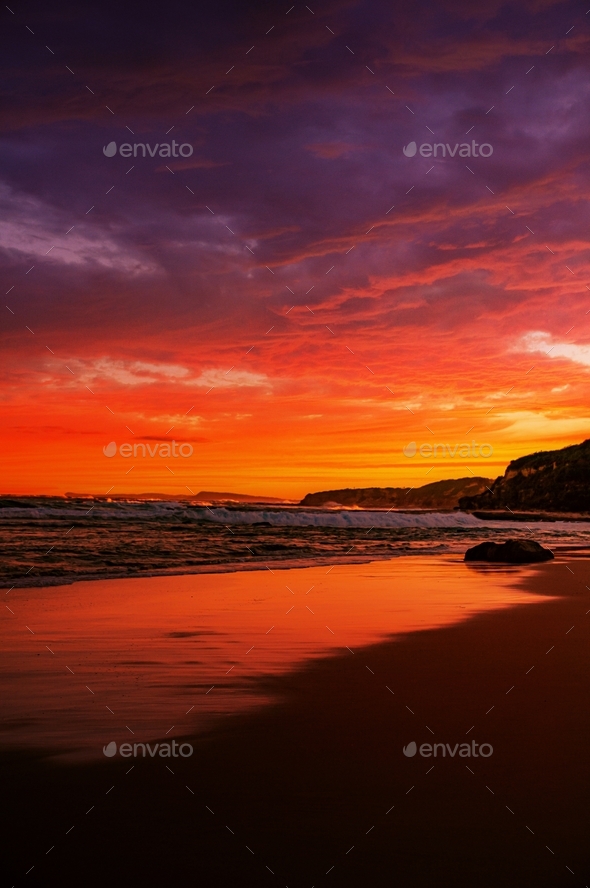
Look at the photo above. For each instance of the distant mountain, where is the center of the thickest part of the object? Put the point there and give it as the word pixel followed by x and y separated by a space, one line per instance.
pixel 212 496
pixel 204 496
pixel 437 495
pixel 547 481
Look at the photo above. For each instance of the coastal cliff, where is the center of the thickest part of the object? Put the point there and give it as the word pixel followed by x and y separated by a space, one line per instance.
pixel 547 481
pixel 437 495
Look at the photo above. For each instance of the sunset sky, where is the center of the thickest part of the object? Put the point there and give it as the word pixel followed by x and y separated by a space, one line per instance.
pixel 297 299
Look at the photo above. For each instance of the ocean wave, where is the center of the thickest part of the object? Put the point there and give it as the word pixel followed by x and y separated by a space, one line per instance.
pixel 171 511
pixel 45 541
pixel 357 518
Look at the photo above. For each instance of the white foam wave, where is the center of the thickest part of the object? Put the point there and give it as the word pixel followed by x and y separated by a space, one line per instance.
pixel 167 511
pixel 355 518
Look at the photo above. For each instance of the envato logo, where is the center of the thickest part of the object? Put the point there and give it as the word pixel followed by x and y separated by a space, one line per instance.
pixel 463 451
pixel 164 149
pixel 439 150
pixel 164 450
pixel 165 750
pixel 466 750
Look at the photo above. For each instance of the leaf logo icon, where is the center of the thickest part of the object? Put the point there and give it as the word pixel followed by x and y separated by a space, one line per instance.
pixel 111 149
pixel 409 450
pixel 410 749
pixel 110 449
pixel 111 749
pixel 409 149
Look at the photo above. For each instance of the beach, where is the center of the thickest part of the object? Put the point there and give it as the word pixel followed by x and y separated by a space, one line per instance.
pixel 295 503
pixel 298 775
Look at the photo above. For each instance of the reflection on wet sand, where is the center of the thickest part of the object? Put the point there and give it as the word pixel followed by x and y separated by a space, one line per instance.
pixel 120 660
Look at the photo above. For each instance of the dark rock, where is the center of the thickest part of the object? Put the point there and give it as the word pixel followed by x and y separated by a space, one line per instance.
pixel 510 552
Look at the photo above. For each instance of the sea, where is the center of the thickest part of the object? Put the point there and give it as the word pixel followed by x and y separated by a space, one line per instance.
pixel 59 540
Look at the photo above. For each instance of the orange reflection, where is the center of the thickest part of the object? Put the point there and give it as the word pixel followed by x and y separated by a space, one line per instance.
pixel 183 651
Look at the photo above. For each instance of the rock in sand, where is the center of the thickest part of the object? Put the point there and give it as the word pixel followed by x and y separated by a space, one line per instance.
pixel 510 552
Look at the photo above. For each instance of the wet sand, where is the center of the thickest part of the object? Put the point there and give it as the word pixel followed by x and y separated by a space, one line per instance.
pixel 114 660
pixel 310 771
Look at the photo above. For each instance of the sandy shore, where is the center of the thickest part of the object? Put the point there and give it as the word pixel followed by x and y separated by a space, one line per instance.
pixel 306 781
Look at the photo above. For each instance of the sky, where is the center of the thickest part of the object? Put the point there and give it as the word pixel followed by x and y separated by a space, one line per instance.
pixel 294 297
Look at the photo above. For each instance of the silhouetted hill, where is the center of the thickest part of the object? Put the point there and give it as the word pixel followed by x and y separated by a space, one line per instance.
pixel 548 481
pixel 203 496
pixel 437 495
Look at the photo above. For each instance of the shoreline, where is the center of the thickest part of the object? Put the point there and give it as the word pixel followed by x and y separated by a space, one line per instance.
pixel 231 567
